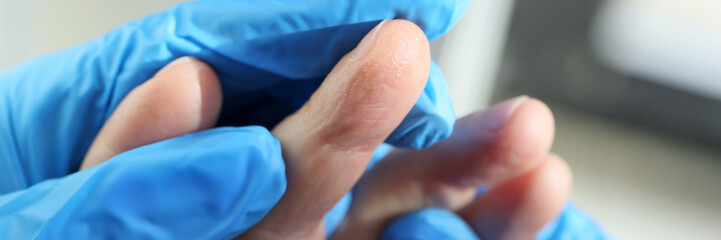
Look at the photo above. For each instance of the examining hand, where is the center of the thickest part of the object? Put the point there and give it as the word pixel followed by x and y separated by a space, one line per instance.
pixel 326 144
pixel 269 58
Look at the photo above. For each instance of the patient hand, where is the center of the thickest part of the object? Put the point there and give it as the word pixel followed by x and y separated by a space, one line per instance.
pixel 328 143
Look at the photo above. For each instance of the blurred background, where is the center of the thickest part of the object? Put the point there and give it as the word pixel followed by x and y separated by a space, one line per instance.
pixel 635 86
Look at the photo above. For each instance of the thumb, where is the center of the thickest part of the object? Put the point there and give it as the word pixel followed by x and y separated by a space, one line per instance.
pixel 181 98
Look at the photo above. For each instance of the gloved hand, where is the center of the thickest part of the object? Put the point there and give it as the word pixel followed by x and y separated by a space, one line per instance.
pixel 270 57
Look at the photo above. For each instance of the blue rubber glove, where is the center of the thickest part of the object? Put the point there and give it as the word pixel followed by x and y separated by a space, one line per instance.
pixel 429 223
pixel 434 223
pixel 269 55
pixel 208 185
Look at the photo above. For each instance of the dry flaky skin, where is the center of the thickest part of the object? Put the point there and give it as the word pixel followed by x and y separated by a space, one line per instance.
pixel 181 98
pixel 328 143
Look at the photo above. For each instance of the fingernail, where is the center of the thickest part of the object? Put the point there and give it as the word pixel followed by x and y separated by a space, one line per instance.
pixel 367 43
pixel 494 117
pixel 176 62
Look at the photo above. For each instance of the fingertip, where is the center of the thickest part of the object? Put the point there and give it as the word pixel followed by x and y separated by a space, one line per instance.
pixel 403 53
pixel 528 134
pixel 183 97
pixel 542 124
pixel 499 143
pixel 373 87
pixel 400 32
pixel 561 176
pixel 520 207
pixel 193 82
pixel 523 141
pixel 399 59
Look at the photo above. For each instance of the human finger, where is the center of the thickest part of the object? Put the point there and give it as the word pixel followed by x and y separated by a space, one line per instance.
pixel 327 144
pixel 183 97
pixel 520 207
pixel 486 148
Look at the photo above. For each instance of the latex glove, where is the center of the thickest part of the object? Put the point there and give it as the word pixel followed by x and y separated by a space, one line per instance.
pixel 269 55
pixel 435 223
pixel 209 185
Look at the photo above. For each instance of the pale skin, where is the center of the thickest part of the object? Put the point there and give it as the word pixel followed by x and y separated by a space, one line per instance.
pixel 328 143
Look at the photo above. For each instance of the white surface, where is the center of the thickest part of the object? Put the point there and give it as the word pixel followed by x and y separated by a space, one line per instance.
pixel 29 28
pixel 470 53
pixel 674 42
pixel 640 184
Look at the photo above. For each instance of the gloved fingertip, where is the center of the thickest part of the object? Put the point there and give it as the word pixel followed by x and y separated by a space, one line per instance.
pixel 429 223
pixel 233 175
